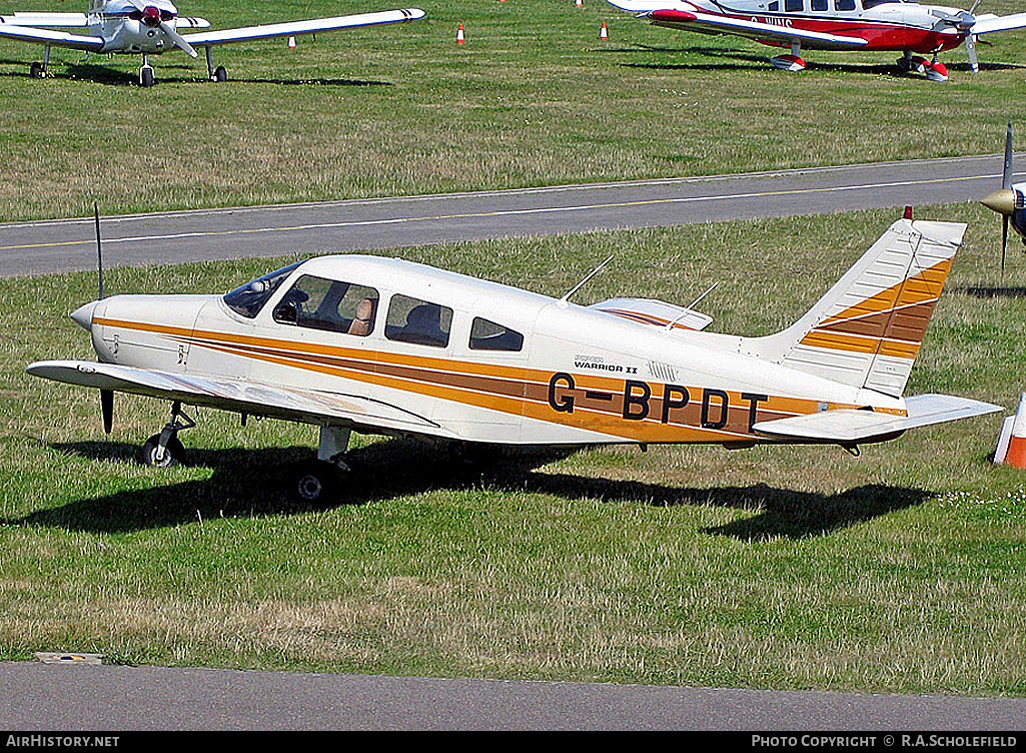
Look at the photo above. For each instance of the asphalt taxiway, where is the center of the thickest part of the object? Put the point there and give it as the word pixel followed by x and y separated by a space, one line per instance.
pixel 387 223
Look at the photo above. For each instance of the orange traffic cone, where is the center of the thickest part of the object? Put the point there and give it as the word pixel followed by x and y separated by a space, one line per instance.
pixel 603 34
pixel 1011 447
pixel 459 35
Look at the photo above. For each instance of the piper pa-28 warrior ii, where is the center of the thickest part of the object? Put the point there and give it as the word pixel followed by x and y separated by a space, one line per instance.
pixel 384 346
pixel 882 25
pixel 151 27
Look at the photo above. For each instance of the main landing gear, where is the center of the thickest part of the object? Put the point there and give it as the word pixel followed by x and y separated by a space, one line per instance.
pixel 934 70
pixel 311 482
pixel 792 62
pixel 37 69
pixel 218 74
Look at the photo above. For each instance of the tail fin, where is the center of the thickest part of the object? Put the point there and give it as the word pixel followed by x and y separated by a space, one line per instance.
pixel 867 330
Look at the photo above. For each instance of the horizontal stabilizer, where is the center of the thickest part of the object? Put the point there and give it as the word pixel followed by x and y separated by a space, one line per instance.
pixel 860 425
pixel 242 396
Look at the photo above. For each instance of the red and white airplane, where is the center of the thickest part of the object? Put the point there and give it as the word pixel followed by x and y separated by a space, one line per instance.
pixel 150 27
pixel 879 25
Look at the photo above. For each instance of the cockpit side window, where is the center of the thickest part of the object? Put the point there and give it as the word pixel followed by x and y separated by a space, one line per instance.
pixel 412 320
pixel 867 4
pixel 794 5
pixel 248 299
pixel 487 335
pixel 844 4
pixel 333 305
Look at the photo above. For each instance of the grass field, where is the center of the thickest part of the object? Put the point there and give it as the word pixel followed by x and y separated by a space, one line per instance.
pixel 903 570
pixel 532 98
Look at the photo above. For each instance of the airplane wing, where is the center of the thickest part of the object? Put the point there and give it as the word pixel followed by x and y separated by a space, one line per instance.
pixel 295 28
pixel 653 313
pixel 242 396
pixel 689 19
pixel 47 36
pixel 860 425
pixel 987 24
pixel 45 19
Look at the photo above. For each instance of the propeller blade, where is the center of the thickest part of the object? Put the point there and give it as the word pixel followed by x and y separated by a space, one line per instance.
pixel 970 48
pixel 107 409
pixel 178 39
pixel 1006 176
pixel 1004 243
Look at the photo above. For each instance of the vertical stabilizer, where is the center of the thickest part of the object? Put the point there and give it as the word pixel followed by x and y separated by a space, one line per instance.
pixel 867 330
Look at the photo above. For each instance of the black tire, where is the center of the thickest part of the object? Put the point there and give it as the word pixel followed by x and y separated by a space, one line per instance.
pixel 174 455
pixel 315 482
pixel 36 70
pixel 220 74
pixel 146 78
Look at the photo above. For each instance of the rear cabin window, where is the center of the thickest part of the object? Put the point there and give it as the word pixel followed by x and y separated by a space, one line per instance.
pixel 773 6
pixel 793 5
pixel 844 4
pixel 411 320
pixel 487 335
pixel 819 5
pixel 333 305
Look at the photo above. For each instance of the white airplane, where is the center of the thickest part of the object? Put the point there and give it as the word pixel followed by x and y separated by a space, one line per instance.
pixel 151 27
pixel 1009 201
pixel 383 346
pixel 890 25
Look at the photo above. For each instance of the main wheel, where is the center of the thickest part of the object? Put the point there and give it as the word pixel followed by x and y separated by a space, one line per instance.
pixel 315 482
pixel 220 74
pixel 36 70
pixel 146 77
pixel 172 455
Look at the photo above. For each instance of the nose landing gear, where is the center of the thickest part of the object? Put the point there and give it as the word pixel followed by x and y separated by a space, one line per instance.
pixel 164 450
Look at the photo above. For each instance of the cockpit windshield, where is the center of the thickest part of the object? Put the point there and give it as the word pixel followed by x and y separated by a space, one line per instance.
pixel 251 297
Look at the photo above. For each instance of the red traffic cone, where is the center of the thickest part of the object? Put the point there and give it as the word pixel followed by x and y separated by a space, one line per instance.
pixel 292 43
pixel 603 34
pixel 579 3
pixel 459 35
pixel 1011 447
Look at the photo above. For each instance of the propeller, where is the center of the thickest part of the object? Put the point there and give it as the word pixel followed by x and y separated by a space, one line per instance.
pixel 964 21
pixel 1002 201
pixel 151 16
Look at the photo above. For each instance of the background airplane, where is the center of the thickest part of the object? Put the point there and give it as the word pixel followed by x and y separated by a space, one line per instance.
pixel 887 25
pixel 1009 201
pixel 151 27
pixel 384 346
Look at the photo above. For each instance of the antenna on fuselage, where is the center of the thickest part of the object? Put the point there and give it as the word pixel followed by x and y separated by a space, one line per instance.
pixel 587 277
pixel 691 306
pixel 99 247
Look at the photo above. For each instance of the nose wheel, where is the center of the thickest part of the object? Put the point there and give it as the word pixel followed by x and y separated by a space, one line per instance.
pixel 146 73
pixel 165 449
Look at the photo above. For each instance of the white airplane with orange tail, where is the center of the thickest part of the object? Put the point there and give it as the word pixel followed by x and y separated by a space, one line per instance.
pixel 883 25
pixel 151 27
pixel 384 346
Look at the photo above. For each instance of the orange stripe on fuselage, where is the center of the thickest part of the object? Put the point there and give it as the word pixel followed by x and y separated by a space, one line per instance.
pixel 513 390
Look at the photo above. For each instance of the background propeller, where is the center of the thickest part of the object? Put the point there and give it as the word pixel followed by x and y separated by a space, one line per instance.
pixel 152 17
pixel 1002 201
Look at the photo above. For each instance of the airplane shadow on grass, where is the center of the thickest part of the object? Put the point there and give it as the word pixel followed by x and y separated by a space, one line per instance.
pixel 743 60
pixel 104 74
pixel 252 483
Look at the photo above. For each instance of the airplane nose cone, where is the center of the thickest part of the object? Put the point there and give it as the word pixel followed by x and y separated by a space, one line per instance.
pixel 83 315
pixel 1001 201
